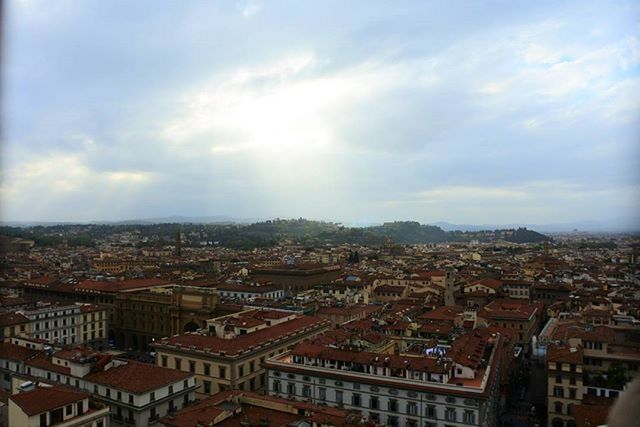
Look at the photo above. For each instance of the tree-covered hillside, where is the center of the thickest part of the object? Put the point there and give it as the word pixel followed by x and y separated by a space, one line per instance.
pixel 261 234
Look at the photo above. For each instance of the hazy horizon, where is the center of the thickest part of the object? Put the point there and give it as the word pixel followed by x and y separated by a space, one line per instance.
pixel 364 112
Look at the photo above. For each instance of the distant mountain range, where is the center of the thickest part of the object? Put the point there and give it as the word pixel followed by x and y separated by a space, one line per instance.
pixel 627 224
pixel 175 219
pixel 612 226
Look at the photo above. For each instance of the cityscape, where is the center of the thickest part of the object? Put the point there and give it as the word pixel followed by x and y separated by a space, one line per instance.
pixel 160 324
pixel 277 213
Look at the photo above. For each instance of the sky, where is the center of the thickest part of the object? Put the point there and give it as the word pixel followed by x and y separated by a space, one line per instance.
pixel 356 112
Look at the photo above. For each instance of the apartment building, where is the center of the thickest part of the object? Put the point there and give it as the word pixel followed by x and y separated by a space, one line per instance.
pixel 231 352
pixel 58 323
pixel 55 405
pixel 92 326
pixel 565 388
pixel 520 317
pixel 54 322
pixel 238 408
pixel 13 324
pixel 436 389
pixel 138 394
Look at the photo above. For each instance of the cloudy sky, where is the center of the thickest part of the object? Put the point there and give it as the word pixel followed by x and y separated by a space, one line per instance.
pixel 360 111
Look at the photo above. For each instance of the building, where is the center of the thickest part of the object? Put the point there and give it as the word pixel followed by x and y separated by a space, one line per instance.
pixel 565 389
pixel 434 389
pixel 520 317
pixel 231 352
pixel 54 322
pixel 243 408
pixel 250 292
pixel 520 289
pixel 297 278
pixel 59 323
pixel 93 326
pixel 13 324
pixel 587 368
pixel 145 316
pixel 55 405
pixel 138 394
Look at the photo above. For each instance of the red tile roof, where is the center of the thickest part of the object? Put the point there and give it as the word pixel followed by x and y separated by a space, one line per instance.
pixel 591 415
pixel 488 282
pixel 44 362
pixel 512 309
pixel 123 285
pixel 15 352
pixel 426 364
pixel 137 377
pixel 564 354
pixel 44 399
pixel 9 319
pixel 244 342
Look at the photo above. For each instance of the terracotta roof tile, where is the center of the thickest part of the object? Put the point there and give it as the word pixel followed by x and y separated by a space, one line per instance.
pixel 44 399
pixel 137 377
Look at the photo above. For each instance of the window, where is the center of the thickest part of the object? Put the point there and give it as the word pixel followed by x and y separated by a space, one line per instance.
pixel 572 380
pixel 356 399
pixel 374 417
pixel 164 361
pixel 68 410
pixel 559 379
pixel 152 396
pixel 450 414
pixel 252 366
pixel 339 397
pixel 373 402
pixel 431 411
pixel 306 391
pixel 241 370
pixel 108 392
pixel 186 383
pixel 131 399
pixel 291 388
pixel 392 421
pixel 469 417
pixel 412 408
pixel 207 369
pixel 558 391
pixel 322 393
pixel 207 387
pixel 192 366
pixel 558 407
pixel 572 393
pixel 276 386
pixel 178 363
pixel 171 389
pixel 119 395
pixel 222 371
pixel 393 405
